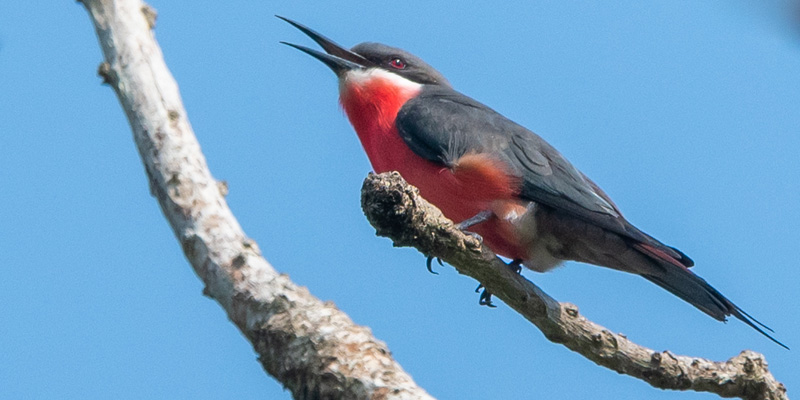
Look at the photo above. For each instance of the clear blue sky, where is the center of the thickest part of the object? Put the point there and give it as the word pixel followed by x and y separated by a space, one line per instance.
pixel 686 112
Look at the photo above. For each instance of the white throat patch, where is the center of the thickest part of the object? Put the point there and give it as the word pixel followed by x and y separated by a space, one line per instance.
pixel 362 76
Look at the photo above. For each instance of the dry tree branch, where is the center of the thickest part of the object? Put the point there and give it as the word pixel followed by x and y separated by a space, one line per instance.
pixel 311 347
pixel 397 211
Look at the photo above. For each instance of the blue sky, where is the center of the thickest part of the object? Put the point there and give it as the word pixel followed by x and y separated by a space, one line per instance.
pixel 685 112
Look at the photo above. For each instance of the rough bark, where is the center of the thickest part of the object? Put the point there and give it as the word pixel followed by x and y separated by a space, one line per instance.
pixel 311 347
pixel 397 211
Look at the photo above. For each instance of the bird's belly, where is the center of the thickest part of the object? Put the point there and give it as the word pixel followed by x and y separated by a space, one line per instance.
pixel 475 183
pixel 538 241
pixel 512 231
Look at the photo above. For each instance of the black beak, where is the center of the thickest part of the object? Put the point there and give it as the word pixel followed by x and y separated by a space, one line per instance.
pixel 339 59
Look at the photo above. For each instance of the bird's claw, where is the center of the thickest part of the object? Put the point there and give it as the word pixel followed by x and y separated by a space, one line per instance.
pixel 477 219
pixel 515 266
pixel 478 237
pixel 486 297
pixel 429 264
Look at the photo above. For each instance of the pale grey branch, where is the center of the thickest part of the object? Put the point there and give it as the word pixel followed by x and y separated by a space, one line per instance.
pixel 311 347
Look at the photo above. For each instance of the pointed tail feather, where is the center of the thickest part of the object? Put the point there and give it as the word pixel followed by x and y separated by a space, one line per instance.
pixel 683 283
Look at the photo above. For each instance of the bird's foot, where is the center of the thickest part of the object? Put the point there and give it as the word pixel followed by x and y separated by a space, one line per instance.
pixel 477 219
pixel 486 297
pixel 515 266
pixel 429 264
pixel 477 237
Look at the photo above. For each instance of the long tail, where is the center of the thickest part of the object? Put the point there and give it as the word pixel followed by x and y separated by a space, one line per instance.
pixel 683 283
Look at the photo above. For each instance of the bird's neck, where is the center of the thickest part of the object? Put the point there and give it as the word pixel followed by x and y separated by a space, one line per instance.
pixel 371 100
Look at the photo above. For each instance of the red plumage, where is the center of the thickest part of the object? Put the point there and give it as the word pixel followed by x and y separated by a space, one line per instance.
pixel 476 182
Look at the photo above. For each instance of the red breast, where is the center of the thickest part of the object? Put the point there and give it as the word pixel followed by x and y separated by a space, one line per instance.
pixel 476 182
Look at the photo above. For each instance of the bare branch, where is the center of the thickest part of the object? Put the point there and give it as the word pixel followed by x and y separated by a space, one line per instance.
pixel 311 347
pixel 397 211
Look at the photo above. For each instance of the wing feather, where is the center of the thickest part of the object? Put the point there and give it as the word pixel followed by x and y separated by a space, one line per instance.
pixel 442 125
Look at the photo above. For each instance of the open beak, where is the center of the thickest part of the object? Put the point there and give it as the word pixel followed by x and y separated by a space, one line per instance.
pixel 339 59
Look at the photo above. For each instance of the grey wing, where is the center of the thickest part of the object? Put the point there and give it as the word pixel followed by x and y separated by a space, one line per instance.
pixel 441 125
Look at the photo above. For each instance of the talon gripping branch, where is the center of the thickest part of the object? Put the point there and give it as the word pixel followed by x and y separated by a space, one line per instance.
pixel 515 190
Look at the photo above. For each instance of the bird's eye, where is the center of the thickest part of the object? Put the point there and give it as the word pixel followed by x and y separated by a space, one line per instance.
pixel 397 63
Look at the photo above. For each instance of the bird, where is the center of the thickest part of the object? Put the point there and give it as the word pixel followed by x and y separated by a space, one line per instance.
pixel 496 178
